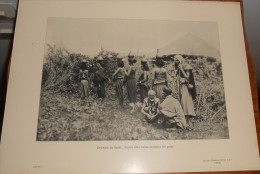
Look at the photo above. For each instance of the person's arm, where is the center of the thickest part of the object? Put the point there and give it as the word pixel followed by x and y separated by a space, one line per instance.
pixel 167 77
pixel 142 110
pixel 129 71
pixel 183 72
pixel 117 71
pixel 145 113
pixel 126 72
pixel 152 78
pixel 145 77
pixel 162 105
pixel 187 74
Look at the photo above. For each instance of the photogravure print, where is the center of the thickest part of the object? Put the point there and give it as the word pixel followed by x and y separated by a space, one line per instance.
pixel 118 79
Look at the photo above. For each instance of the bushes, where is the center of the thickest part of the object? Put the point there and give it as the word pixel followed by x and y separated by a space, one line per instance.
pixel 63 116
pixel 61 75
pixel 61 69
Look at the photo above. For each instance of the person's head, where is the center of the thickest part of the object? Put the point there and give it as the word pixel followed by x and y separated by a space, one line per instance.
pixel 178 59
pixel 119 59
pixel 159 62
pixel 145 67
pixel 132 61
pixel 151 94
pixel 99 66
pixel 131 55
pixel 144 60
pixel 83 64
pixel 120 63
pixel 167 91
pixel 100 58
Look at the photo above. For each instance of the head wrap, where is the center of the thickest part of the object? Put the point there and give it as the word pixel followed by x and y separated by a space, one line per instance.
pixel 179 58
pixel 131 55
pixel 167 90
pixel 159 62
pixel 100 58
pixel 144 60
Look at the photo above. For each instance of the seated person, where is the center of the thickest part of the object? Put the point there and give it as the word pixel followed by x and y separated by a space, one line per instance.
pixel 150 106
pixel 171 110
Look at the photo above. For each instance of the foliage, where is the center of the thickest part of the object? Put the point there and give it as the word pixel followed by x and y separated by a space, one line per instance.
pixel 64 116
pixel 61 69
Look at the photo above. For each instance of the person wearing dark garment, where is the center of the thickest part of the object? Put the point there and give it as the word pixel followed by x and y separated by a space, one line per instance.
pixel 143 80
pixel 84 79
pixel 118 77
pixel 130 81
pixel 100 80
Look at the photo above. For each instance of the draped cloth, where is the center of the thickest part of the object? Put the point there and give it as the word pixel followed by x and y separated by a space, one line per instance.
pixel 119 90
pixel 187 89
pixel 172 110
pixel 131 86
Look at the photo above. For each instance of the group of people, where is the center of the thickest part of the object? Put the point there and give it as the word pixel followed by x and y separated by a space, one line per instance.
pixel 99 79
pixel 158 103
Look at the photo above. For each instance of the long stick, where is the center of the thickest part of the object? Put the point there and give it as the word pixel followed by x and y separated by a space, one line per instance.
pixel 217 112
pixel 201 93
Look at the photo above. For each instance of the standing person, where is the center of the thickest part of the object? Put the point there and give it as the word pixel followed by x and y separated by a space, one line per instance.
pixel 186 87
pixel 119 77
pixel 100 80
pixel 131 82
pixel 171 110
pixel 143 80
pixel 84 79
pixel 159 78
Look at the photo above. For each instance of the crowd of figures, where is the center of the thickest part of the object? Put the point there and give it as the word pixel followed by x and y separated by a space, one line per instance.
pixel 158 104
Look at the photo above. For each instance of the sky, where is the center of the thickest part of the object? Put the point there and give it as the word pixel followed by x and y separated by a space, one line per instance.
pixel 86 36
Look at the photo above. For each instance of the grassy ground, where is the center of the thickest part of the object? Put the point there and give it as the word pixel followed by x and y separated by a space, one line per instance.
pixel 66 118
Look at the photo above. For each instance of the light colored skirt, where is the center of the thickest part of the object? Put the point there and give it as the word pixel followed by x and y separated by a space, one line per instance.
pixel 84 88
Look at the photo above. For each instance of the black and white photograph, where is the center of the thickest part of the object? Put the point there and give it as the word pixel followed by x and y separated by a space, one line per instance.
pixel 131 79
